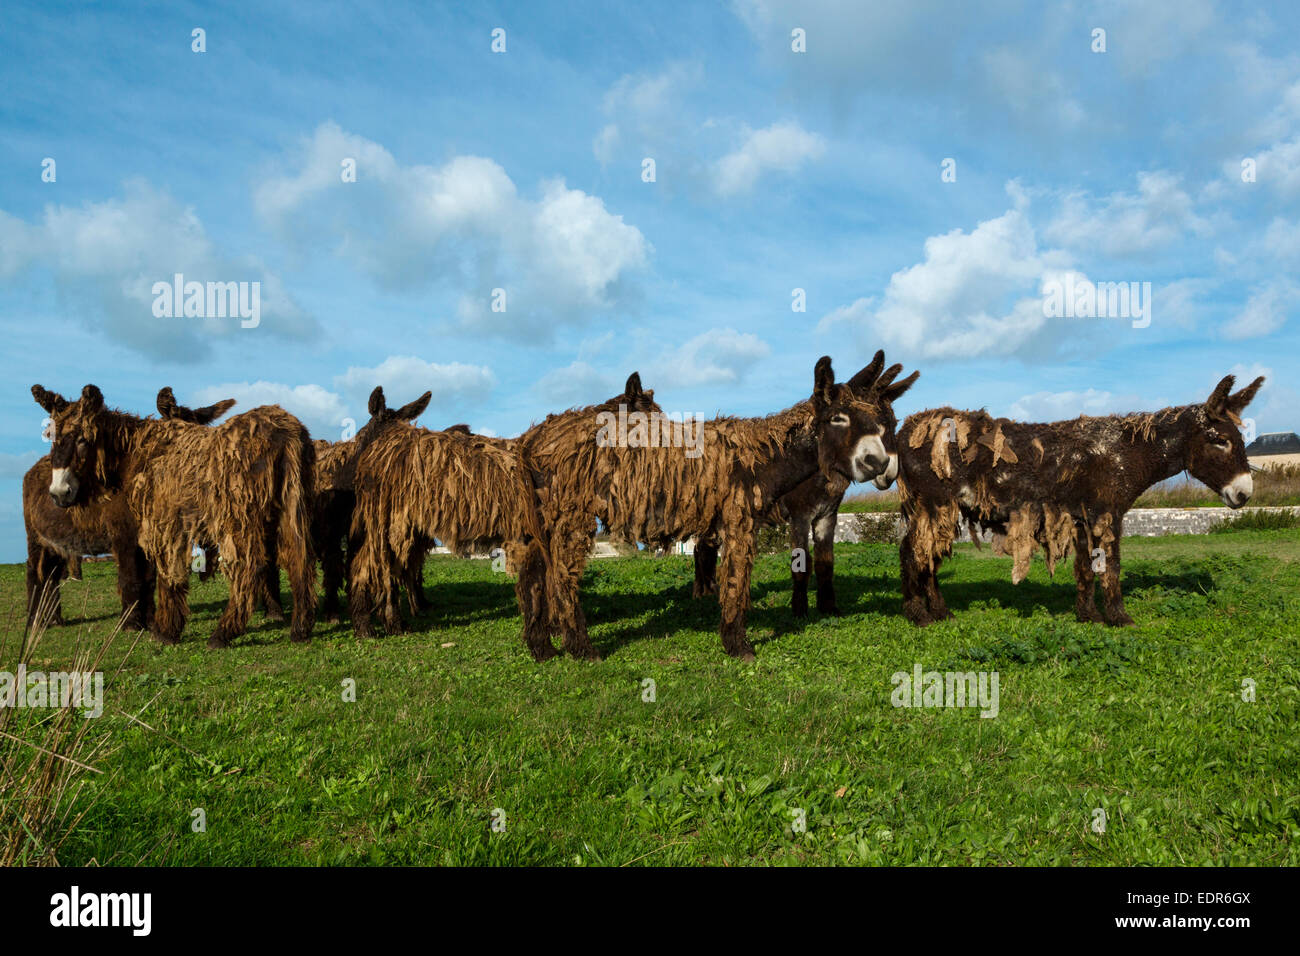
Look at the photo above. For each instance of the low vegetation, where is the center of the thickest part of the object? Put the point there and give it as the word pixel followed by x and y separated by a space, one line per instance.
pixel 454 726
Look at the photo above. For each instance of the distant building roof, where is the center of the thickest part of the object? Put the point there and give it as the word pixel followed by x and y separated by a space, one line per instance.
pixel 1275 443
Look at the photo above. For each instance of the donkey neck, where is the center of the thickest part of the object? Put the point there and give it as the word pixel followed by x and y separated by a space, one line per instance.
pixel 126 438
pixel 790 454
pixel 1159 451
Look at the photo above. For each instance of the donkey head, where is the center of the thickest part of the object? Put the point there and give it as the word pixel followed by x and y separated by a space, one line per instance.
pixel 168 409
pixel 382 416
pixel 79 453
pixel 855 421
pixel 1215 452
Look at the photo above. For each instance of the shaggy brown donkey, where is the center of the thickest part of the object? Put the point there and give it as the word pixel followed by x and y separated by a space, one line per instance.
pixel 812 507
pixel 714 484
pixel 468 491
pixel 270 599
pixel 239 484
pixel 58 537
pixel 412 486
pixel 335 498
pixel 1061 485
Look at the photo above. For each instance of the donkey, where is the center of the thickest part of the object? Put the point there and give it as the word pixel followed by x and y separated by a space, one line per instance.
pixel 239 485
pixel 1060 485
pixel 58 537
pixel 659 495
pixel 812 507
pixel 336 498
pixel 412 486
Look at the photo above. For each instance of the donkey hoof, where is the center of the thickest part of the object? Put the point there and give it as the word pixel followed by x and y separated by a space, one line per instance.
pixel 218 641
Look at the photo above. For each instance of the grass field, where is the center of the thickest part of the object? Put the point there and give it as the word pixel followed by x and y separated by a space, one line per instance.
pixel 453 722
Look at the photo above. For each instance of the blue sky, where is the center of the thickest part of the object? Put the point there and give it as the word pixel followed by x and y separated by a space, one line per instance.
pixel 775 170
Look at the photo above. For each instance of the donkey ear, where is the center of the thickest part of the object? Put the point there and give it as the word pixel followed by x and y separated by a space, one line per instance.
pixel 633 387
pixel 893 392
pixel 52 402
pixel 92 398
pixel 1217 404
pixel 457 430
pixel 414 409
pixel 166 402
pixel 889 375
pixel 867 376
pixel 210 413
pixel 1237 402
pixel 377 402
pixel 823 382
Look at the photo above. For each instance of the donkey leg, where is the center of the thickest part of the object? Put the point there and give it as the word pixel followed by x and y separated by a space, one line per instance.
pixel 530 592
pixel 938 606
pixel 1085 581
pixel 173 599
pixel 706 568
pixel 133 578
pixel 247 576
pixel 149 579
pixel 824 563
pixel 302 583
pixel 335 555
pixel 571 539
pixel 45 573
pixel 1114 611
pixel 419 602
pixel 737 565
pixel 800 528
pixel 361 578
pixel 916 607
pixel 271 598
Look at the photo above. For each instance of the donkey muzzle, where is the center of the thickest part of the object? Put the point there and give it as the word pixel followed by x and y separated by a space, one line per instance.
pixel 63 487
pixel 1238 491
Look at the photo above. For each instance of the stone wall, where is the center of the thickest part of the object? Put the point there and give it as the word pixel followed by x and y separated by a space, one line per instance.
pixel 1140 522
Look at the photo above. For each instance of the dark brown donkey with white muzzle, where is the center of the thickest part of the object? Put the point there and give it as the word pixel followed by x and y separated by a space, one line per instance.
pixel 715 484
pixel 1059 486
pixel 239 485
pixel 813 508
pixel 58 537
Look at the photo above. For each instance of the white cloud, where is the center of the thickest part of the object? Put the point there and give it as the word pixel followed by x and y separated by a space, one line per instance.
pixel 1057 406
pixel 1265 311
pixel 975 293
pixel 783 147
pixel 106 257
pixel 405 378
pixel 462 224
pixel 715 357
pixel 578 383
pixel 1122 224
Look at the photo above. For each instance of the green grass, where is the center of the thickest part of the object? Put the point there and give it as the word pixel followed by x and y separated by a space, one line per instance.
pixel 1145 722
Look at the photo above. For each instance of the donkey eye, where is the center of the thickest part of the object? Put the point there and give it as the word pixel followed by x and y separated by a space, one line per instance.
pixel 840 421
